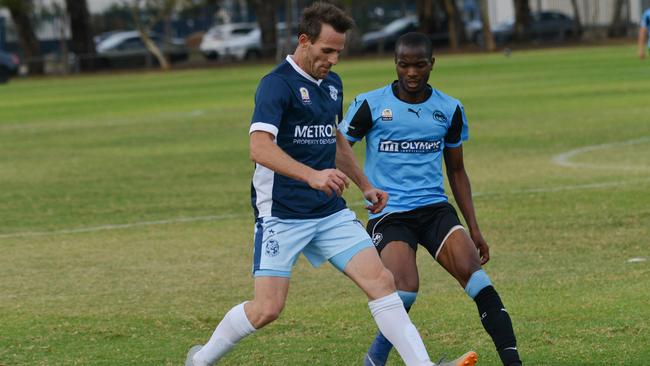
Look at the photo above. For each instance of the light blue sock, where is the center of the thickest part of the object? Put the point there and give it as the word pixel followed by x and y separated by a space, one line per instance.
pixel 380 347
pixel 477 281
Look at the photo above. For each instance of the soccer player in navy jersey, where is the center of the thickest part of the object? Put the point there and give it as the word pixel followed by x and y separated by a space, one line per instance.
pixel 302 167
pixel 644 29
pixel 410 128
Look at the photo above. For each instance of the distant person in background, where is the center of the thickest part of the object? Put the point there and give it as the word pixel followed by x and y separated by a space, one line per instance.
pixel 644 27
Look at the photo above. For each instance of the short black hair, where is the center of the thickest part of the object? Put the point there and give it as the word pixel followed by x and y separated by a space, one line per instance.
pixel 415 40
pixel 318 13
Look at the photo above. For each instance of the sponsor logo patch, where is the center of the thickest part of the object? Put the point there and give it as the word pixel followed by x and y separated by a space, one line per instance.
pixel 392 146
pixel 439 116
pixel 387 115
pixel 304 95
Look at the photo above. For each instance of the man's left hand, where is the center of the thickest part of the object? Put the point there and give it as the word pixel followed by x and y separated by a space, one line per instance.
pixel 482 246
pixel 377 199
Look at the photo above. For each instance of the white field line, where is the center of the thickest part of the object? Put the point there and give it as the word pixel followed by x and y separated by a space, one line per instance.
pixel 121 226
pixel 352 204
pixel 564 159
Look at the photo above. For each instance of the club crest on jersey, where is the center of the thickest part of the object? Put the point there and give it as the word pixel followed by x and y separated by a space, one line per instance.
pixel 304 95
pixel 334 93
pixel 439 116
pixel 272 248
pixel 387 115
pixel 376 238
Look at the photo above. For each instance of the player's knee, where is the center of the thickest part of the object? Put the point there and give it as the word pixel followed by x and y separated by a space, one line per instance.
pixel 266 312
pixel 270 314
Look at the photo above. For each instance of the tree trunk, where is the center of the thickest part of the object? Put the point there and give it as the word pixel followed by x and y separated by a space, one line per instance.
pixel 616 27
pixel 488 38
pixel 20 11
pixel 452 25
pixel 425 11
pixel 577 24
pixel 143 29
pixel 265 12
pixel 82 33
pixel 522 20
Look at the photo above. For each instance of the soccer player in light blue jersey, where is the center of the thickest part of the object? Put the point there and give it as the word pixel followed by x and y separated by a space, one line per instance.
pixel 644 31
pixel 410 128
pixel 302 167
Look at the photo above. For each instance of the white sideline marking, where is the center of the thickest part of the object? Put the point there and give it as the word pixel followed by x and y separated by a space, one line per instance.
pixel 352 204
pixel 121 226
pixel 636 260
pixel 564 159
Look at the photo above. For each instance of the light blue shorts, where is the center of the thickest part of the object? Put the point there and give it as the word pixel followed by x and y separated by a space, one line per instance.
pixel 279 242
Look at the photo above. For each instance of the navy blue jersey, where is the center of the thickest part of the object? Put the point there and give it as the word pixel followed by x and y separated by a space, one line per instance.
pixel 645 23
pixel 405 143
pixel 302 114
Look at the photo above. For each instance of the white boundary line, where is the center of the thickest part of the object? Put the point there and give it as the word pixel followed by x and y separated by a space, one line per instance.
pixel 564 159
pixel 121 226
pixel 353 204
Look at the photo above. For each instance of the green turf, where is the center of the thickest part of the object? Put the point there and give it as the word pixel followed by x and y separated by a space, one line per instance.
pixel 83 153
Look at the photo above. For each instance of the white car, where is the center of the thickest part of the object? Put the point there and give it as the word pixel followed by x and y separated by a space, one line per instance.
pixel 239 41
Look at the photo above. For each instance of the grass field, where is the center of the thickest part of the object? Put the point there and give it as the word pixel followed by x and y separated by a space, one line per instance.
pixel 126 227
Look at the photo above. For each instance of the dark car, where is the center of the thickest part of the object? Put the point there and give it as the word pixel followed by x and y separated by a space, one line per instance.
pixel 8 66
pixel 545 26
pixel 126 49
pixel 384 39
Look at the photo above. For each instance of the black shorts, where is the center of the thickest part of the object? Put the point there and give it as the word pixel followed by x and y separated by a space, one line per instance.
pixel 428 225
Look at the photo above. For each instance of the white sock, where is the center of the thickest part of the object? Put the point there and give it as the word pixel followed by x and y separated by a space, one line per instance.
pixel 234 326
pixel 395 324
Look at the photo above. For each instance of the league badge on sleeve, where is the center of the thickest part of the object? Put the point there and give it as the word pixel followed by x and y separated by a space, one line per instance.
pixel 304 95
pixel 334 93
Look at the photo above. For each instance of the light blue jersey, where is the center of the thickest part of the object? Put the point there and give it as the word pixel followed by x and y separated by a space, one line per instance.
pixel 405 143
pixel 645 23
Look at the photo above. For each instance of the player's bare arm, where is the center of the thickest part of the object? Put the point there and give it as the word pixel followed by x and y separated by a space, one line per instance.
pixel 347 163
pixel 462 191
pixel 265 152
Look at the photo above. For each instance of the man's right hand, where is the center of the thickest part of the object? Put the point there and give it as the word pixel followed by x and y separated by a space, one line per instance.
pixel 330 181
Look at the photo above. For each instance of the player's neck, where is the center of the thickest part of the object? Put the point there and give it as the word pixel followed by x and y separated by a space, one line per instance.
pixel 408 97
pixel 300 59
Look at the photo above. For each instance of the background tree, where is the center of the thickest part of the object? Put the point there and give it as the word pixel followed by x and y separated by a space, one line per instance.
pixel 265 13
pixel 146 13
pixel 577 24
pixel 455 24
pixel 522 20
pixel 82 33
pixel 618 26
pixel 488 37
pixel 20 11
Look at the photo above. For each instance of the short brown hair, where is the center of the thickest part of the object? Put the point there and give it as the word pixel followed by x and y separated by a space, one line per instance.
pixel 318 13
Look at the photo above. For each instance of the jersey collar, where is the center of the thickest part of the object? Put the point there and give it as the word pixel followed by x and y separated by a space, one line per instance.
pixel 301 71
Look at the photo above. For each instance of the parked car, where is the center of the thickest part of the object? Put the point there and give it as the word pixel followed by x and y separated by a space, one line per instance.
pixel 9 64
pixel 384 39
pixel 126 49
pixel 241 41
pixel 545 25
pixel 238 41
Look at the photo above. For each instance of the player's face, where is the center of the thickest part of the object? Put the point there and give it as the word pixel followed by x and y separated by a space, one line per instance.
pixel 413 67
pixel 324 53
